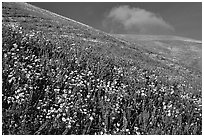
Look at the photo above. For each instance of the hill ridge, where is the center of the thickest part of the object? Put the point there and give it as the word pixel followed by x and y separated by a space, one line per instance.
pixel 67 18
pixel 159 37
pixel 57 15
pixel 184 50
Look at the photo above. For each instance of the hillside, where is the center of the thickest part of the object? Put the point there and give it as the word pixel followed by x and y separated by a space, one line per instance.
pixel 178 49
pixel 60 76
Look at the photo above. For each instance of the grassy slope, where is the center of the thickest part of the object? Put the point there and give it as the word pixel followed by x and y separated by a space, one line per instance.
pixel 183 50
pixel 62 77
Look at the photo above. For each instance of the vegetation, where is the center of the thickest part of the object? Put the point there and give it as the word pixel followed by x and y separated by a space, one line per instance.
pixel 185 51
pixel 53 85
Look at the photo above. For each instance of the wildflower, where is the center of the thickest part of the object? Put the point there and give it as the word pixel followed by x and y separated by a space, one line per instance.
pixel 21 94
pixel 64 95
pixel 10 80
pixel 88 96
pixel 15 45
pixel 56 90
pixel 91 118
pixel 127 130
pixel 143 94
pixel 164 107
pixel 48 117
pixel 69 91
pixel 169 113
pixel 69 126
pixel 63 119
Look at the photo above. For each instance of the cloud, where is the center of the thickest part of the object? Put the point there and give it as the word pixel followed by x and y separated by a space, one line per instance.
pixel 135 20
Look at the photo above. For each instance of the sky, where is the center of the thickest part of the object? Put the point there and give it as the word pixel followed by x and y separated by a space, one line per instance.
pixel 145 18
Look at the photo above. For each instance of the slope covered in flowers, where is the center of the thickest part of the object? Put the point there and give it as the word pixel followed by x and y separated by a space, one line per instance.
pixel 60 77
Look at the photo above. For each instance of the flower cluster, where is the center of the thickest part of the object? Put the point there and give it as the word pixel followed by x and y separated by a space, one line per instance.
pixel 54 86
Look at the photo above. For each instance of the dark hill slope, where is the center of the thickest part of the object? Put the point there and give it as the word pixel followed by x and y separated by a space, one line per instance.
pixel 63 77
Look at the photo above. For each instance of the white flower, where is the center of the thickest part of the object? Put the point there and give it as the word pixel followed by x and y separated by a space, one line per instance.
pixel 91 118
pixel 58 115
pixel 164 107
pixel 69 126
pixel 143 94
pixel 15 45
pixel 27 75
pixel 21 94
pixel 63 119
pixel 127 130
pixel 88 96
pixel 10 80
pixel 138 133
pixel 17 97
pixel 56 90
pixel 17 91
pixel 169 113
pixel 64 95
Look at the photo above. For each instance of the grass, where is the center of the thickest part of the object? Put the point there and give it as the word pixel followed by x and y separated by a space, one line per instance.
pixel 182 50
pixel 56 85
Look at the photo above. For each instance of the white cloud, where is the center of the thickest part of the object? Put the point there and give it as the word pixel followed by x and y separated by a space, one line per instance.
pixel 136 20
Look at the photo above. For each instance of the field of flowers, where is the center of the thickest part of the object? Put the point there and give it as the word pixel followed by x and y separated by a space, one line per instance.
pixel 57 83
